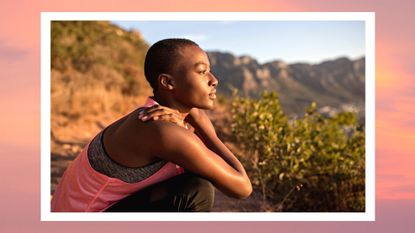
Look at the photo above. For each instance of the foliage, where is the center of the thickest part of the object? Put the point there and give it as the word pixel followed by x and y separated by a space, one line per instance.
pixel 313 163
pixel 97 76
pixel 83 45
pixel 97 70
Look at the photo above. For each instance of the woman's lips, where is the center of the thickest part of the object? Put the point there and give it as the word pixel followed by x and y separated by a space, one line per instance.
pixel 212 95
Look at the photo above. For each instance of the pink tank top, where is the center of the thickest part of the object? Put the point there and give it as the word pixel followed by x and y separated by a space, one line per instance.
pixel 83 189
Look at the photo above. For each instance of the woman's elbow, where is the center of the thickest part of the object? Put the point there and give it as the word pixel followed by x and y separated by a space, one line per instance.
pixel 244 191
pixel 247 191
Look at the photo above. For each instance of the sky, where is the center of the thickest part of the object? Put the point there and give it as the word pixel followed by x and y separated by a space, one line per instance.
pixel 20 92
pixel 290 41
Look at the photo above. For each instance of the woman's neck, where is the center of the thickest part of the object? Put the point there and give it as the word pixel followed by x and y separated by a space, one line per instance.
pixel 171 103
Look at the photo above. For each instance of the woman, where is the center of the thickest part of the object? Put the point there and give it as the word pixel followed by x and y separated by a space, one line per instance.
pixel 162 158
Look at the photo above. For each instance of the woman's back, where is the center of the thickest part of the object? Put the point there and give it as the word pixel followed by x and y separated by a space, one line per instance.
pixel 127 141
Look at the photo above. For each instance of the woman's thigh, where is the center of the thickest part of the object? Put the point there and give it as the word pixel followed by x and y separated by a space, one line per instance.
pixel 185 192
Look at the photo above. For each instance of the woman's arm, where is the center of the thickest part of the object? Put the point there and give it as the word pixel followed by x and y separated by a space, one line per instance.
pixel 205 130
pixel 220 165
pixel 184 148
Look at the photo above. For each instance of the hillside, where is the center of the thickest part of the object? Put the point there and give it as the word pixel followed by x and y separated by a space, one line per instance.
pixel 97 76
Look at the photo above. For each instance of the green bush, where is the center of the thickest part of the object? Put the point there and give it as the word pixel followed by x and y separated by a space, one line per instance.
pixel 312 163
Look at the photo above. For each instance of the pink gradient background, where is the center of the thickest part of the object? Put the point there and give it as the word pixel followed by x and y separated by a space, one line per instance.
pixel 20 115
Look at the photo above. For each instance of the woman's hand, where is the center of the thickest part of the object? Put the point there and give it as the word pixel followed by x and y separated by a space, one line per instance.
pixel 201 123
pixel 195 116
pixel 162 113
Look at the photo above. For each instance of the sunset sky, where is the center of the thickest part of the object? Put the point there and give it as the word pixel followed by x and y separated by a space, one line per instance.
pixel 20 120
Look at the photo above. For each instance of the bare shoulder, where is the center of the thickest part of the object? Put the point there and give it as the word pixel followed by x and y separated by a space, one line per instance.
pixel 151 137
pixel 169 136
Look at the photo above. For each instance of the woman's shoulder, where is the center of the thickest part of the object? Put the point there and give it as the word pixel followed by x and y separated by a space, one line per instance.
pixel 129 141
pixel 130 127
pixel 169 137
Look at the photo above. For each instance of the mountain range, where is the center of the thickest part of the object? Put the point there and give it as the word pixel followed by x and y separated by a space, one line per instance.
pixel 337 83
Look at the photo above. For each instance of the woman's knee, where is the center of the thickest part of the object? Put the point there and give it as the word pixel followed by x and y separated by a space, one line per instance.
pixel 196 194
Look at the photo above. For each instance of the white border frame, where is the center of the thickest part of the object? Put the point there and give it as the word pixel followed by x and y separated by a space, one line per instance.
pixel 367 17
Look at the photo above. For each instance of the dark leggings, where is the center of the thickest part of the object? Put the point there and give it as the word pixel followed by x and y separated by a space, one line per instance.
pixel 186 192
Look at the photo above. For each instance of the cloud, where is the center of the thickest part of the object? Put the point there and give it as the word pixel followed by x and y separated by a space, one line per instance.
pixel 406 188
pixel 9 53
pixel 391 176
pixel 395 100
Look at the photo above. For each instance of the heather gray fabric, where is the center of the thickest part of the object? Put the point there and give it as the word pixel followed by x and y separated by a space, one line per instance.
pixel 101 162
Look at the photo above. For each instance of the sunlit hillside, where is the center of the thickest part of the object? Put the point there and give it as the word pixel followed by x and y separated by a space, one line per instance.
pixel 97 76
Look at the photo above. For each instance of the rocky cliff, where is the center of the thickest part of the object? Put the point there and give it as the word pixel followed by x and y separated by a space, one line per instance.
pixel 332 83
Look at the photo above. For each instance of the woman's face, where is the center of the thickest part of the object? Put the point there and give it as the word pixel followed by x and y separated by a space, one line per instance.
pixel 195 85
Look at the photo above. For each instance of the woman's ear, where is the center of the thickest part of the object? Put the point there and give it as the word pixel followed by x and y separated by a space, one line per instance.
pixel 166 81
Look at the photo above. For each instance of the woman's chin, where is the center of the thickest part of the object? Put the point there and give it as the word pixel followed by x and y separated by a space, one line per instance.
pixel 208 106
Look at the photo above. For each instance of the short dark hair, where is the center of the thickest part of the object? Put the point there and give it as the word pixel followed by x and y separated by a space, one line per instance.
pixel 161 56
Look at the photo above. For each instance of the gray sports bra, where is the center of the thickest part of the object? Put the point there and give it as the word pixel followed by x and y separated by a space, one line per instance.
pixel 101 162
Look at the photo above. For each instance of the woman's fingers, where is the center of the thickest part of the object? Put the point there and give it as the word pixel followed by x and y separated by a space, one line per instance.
pixel 162 113
pixel 157 108
pixel 157 113
pixel 145 110
pixel 143 113
pixel 163 109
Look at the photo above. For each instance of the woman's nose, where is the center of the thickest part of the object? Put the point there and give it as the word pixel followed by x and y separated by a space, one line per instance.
pixel 213 81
